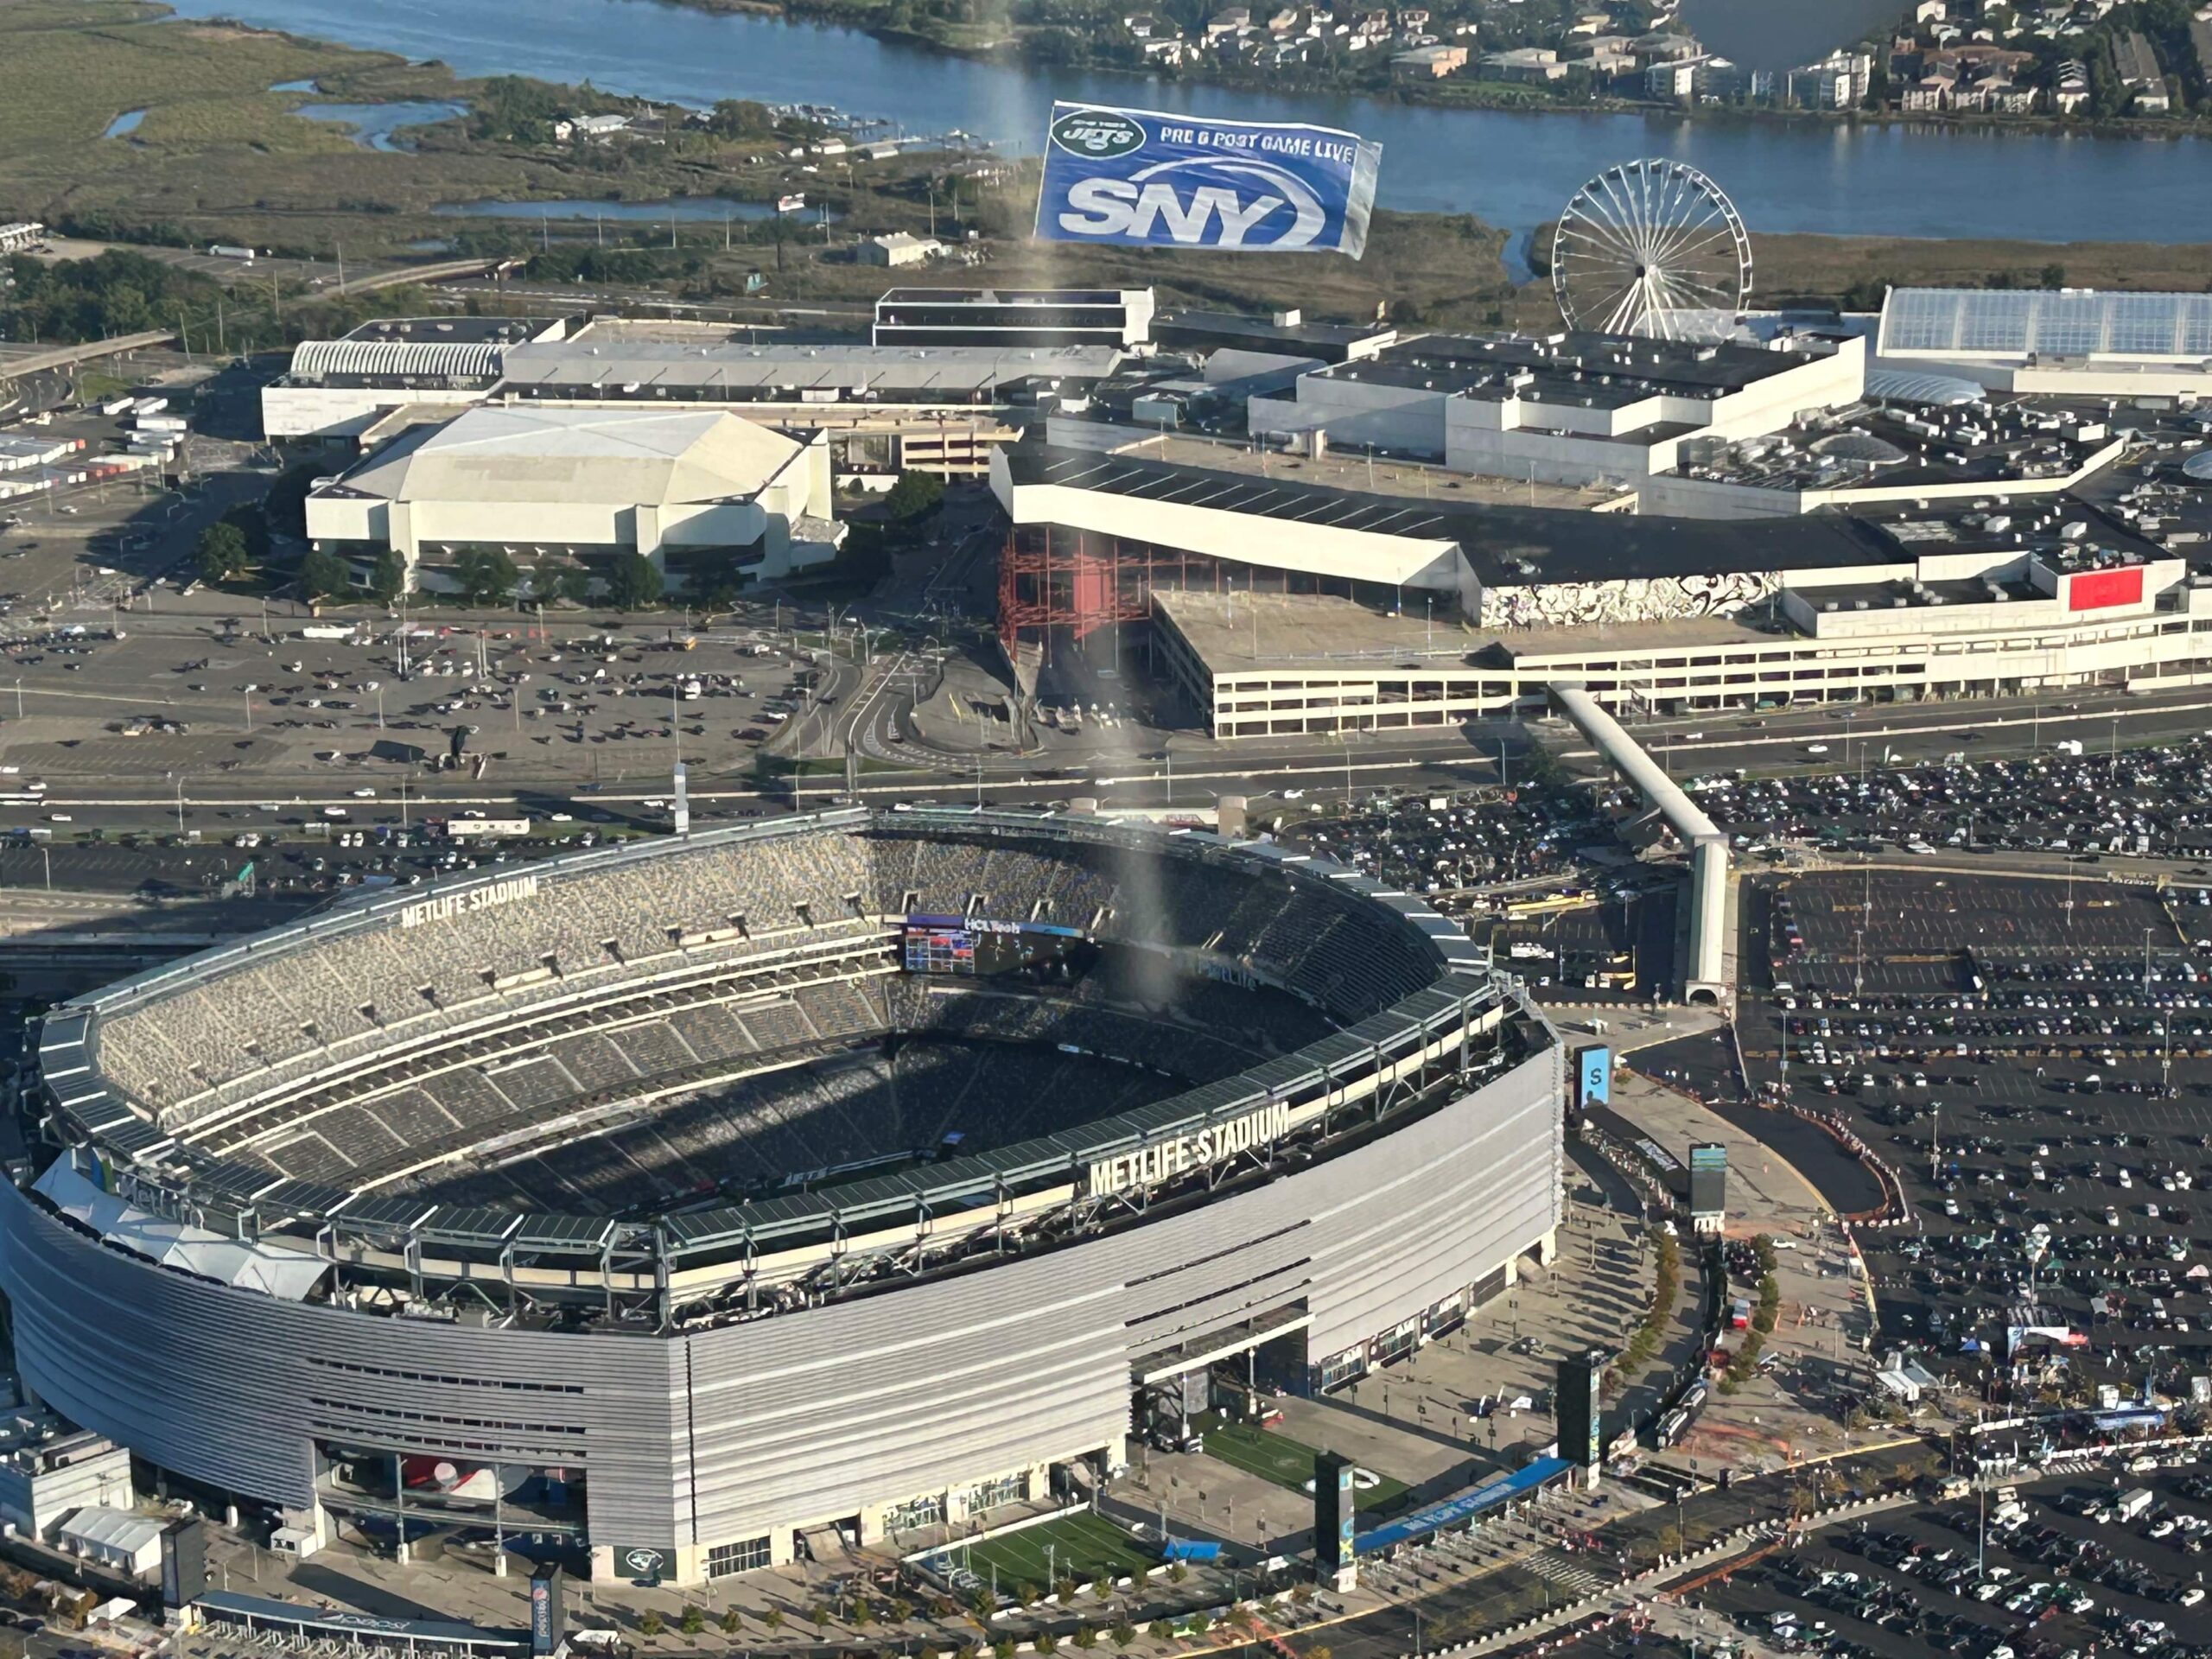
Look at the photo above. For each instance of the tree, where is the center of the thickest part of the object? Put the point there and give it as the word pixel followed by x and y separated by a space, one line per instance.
pixel 1123 1634
pixel 732 1621
pixel 1085 1637
pixel 1046 1641
pixel 571 582
pixel 914 496
pixel 486 575
pixel 388 580
pixel 1003 1648
pixel 221 555
pixel 649 1623
pixel 820 1615
pixel 692 1622
pixel 1163 1629
pixel 741 117
pixel 773 1620
pixel 324 576
pixel 633 584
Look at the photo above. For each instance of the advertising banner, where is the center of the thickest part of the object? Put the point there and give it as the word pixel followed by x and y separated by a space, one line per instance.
pixel 1145 179
pixel 1596 1072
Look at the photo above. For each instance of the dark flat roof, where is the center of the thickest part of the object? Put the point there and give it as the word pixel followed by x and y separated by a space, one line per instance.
pixel 1509 547
pixel 1329 340
pixel 1597 370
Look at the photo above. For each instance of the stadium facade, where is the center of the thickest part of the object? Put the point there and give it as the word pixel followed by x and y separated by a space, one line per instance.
pixel 490 1209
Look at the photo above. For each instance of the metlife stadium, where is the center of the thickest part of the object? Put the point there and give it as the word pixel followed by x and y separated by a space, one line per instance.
pixel 859 1170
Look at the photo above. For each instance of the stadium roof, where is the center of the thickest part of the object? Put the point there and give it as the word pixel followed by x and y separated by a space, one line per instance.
pixel 287 1275
pixel 526 453
pixel 669 366
pixel 1972 322
pixel 1507 547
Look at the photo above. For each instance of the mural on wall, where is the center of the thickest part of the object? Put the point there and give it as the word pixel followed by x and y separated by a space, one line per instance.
pixel 1594 604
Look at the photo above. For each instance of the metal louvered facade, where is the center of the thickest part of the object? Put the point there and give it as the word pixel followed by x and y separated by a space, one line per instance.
pixel 760 1428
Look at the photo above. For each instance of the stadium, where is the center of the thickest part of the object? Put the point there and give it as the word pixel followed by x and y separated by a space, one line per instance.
pixel 687 1207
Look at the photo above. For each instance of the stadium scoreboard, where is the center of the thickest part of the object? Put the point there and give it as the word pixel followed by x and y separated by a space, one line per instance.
pixel 975 946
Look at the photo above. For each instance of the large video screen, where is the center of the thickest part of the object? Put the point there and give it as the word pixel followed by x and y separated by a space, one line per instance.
pixel 977 946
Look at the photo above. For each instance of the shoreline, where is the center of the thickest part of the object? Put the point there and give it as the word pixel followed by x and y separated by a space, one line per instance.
pixel 1012 54
pixel 1446 96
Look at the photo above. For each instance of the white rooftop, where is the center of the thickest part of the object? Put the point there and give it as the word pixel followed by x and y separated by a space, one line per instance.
pixel 116 1529
pixel 530 453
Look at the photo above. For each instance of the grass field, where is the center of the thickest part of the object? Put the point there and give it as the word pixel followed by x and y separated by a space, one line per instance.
pixel 1082 1547
pixel 1286 1462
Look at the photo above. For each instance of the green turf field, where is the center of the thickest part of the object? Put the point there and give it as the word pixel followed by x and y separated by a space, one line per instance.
pixel 1286 1462
pixel 1081 1547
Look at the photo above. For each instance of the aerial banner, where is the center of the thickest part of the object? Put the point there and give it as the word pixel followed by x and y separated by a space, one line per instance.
pixel 1146 179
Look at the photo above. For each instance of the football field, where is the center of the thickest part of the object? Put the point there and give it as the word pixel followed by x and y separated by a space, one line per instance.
pixel 1082 1546
pixel 1285 1462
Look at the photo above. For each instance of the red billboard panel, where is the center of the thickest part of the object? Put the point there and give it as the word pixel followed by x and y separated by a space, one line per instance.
pixel 2093 590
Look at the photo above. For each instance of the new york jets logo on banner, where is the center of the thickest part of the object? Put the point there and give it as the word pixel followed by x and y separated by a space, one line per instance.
pixel 1103 133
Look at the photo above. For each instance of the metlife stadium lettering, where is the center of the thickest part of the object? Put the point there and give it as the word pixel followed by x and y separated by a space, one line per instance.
pixel 459 904
pixel 1163 1160
pixel 1139 178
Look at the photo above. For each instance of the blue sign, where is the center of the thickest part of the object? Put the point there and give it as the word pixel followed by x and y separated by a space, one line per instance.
pixel 1458 1510
pixel 1597 1075
pixel 1145 179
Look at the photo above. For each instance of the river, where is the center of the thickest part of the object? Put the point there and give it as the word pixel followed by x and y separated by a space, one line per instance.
pixel 1510 169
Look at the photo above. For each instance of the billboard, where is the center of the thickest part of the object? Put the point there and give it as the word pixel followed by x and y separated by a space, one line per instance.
pixel 1578 1385
pixel 547 1624
pixel 1593 1076
pixel 1336 1508
pixel 1708 1179
pixel 2093 590
pixel 1147 178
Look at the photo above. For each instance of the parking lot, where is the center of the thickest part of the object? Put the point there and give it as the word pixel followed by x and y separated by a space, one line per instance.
pixel 2051 1570
pixel 2027 1055
pixel 2071 798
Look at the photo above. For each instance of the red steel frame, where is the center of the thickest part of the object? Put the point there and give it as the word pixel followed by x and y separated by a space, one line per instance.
pixel 1101 581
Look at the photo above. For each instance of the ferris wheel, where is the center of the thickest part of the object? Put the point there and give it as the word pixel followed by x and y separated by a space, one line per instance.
pixel 1654 248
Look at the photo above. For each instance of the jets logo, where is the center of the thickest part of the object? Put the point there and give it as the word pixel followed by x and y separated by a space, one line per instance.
pixel 1100 134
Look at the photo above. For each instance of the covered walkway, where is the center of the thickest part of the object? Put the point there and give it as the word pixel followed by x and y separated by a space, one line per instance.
pixel 1705 979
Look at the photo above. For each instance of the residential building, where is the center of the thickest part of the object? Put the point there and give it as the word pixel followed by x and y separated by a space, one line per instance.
pixel 898 249
pixel 1536 65
pixel 1428 62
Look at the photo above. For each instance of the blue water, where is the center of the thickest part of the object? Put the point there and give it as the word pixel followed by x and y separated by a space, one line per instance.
pixel 295 86
pixel 686 209
pixel 126 123
pixel 1511 168
pixel 378 126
